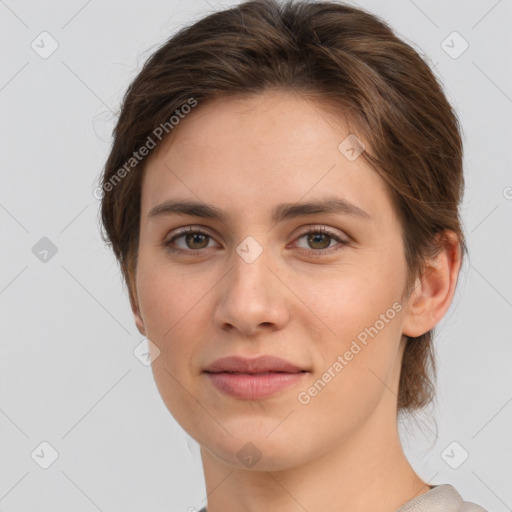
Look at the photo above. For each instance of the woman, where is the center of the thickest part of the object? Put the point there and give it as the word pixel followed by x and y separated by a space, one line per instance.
pixel 283 197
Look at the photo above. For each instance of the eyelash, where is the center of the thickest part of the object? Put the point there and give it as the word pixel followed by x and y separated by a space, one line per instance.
pixel 312 230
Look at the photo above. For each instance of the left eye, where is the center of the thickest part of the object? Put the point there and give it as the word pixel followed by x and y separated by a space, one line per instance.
pixel 322 238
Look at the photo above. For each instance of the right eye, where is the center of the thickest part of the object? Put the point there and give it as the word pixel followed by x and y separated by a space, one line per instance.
pixel 194 240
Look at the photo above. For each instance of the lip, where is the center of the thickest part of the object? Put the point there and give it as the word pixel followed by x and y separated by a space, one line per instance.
pixel 260 364
pixel 255 378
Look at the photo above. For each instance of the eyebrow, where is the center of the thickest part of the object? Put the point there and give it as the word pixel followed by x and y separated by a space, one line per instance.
pixel 279 213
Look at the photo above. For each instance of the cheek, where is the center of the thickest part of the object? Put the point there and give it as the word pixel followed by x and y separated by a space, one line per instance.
pixel 167 294
pixel 360 321
pixel 356 355
pixel 176 308
pixel 173 313
pixel 351 298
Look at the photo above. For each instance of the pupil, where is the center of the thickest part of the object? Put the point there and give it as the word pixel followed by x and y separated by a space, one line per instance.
pixel 194 236
pixel 316 235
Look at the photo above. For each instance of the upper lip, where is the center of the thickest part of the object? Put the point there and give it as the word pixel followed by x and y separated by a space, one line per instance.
pixel 260 364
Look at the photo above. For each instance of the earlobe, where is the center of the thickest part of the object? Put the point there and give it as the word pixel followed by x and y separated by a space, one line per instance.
pixel 434 292
pixel 139 322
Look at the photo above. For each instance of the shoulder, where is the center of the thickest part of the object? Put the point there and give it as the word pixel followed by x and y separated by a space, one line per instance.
pixel 444 497
pixel 467 506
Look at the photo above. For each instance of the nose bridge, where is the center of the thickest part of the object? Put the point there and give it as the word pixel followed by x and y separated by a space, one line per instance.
pixel 250 274
pixel 249 296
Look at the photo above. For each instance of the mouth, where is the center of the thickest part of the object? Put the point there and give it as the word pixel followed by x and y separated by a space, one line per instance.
pixel 253 379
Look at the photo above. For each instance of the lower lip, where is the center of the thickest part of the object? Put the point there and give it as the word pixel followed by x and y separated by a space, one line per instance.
pixel 252 387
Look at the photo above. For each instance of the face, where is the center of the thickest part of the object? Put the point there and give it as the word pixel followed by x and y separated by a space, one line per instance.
pixel 250 283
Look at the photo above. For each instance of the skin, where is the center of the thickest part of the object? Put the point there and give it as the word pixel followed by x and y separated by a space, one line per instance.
pixel 341 451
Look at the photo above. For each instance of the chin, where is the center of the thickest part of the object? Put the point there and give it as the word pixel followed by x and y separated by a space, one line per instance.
pixel 253 449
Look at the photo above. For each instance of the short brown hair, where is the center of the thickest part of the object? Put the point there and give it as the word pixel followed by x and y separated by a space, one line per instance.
pixel 334 53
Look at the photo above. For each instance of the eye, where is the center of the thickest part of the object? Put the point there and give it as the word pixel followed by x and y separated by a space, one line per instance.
pixel 320 239
pixel 194 241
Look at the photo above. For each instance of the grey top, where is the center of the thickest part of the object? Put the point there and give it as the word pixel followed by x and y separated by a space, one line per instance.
pixel 441 498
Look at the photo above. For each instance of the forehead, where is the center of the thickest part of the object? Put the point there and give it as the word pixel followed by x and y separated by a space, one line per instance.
pixel 254 152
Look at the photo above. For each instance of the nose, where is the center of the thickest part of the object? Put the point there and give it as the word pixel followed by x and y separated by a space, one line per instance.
pixel 252 297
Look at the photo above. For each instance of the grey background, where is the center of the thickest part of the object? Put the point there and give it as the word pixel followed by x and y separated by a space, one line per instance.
pixel 68 375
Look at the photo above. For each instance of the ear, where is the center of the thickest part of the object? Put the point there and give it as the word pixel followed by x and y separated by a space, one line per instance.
pixel 139 322
pixel 433 293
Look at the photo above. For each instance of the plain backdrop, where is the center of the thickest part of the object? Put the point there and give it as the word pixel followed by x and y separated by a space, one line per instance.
pixel 68 374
